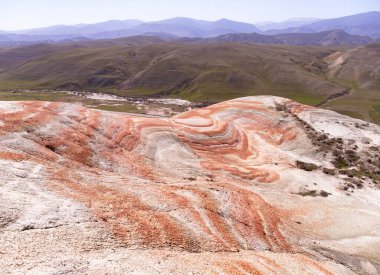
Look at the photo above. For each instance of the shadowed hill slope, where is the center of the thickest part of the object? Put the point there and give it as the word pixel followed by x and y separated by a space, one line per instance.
pixel 327 38
pixel 358 69
pixel 211 71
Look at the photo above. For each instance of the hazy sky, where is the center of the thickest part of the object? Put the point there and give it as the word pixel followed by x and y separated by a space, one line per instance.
pixel 24 14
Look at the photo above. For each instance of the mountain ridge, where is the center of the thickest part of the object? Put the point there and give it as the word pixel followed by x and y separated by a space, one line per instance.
pixel 365 24
pixel 325 38
pixel 79 29
pixel 289 23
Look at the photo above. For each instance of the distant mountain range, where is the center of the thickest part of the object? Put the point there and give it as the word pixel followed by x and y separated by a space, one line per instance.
pixel 290 23
pixel 83 29
pixel 326 38
pixel 180 27
pixel 365 24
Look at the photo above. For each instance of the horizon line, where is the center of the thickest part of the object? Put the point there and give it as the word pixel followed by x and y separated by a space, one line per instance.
pixel 225 18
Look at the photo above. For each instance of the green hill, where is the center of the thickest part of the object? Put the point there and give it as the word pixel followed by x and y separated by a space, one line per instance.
pixel 212 72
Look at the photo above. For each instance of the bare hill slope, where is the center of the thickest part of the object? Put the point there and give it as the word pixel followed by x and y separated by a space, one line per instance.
pixel 252 185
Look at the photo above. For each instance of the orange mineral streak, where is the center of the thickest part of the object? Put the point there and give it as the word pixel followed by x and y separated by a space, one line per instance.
pixel 32 114
pixel 74 142
pixel 311 263
pixel 133 221
pixel 238 267
pixel 297 108
pixel 121 134
pixel 248 267
pixel 270 265
pixel 256 219
pixel 13 156
pixel 97 158
pixel 155 222
pixel 230 143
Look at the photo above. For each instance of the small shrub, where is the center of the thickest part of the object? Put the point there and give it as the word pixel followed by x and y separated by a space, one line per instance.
pixel 358 184
pixel 281 107
pixel 322 137
pixel 306 166
pixel 351 155
pixel 340 162
pixel 311 193
pixel 328 171
pixel 323 193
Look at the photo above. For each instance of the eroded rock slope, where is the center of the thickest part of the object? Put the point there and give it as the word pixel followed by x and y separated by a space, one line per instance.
pixel 252 185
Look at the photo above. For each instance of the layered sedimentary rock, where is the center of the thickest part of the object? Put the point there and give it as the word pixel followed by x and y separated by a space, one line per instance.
pixel 252 185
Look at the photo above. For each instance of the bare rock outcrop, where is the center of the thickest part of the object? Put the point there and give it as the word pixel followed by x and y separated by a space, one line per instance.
pixel 252 185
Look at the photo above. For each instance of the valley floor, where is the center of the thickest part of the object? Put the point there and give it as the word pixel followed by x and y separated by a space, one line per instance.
pixel 140 105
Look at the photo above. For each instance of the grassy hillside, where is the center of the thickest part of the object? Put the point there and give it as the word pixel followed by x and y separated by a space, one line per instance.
pixel 201 71
pixel 358 69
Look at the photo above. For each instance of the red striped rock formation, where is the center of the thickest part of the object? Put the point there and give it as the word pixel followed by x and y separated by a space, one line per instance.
pixel 222 181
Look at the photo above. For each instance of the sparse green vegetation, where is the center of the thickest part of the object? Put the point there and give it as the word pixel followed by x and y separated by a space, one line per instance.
pixel 29 96
pixel 340 162
pixel 125 107
pixel 306 166
pixel 209 72
pixel 314 193
pixel 323 193
pixel 328 171
pixel 375 113
pixel 306 99
pixel 115 106
pixel 348 161
pixel 311 193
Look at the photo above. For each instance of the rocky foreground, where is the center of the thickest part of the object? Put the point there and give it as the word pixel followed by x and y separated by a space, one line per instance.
pixel 252 185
